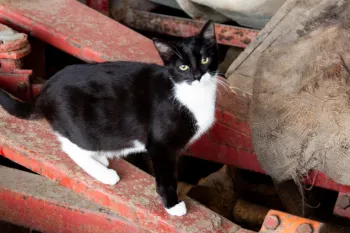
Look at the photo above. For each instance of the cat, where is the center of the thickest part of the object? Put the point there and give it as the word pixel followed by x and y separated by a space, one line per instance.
pixel 111 109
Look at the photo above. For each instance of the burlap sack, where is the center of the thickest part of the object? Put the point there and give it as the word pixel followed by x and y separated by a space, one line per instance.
pixel 300 112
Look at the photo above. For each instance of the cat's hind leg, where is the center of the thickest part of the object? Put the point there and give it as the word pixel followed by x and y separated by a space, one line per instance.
pixel 85 159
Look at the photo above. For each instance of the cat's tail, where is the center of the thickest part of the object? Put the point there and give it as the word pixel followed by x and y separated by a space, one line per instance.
pixel 16 107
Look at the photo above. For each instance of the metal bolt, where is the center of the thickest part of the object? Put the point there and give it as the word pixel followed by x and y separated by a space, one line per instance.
pixel 271 222
pixel 305 228
pixel 343 202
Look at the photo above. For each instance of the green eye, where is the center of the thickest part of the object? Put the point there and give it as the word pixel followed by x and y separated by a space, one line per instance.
pixel 205 60
pixel 183 67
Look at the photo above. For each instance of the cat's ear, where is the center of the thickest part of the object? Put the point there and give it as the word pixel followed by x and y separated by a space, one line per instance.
pixel 164 49
pixel 208 31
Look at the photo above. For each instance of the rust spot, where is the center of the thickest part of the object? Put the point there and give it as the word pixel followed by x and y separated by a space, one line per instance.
pixel 228 38
pixel 74 44
pixel 246 41
pixel 238 32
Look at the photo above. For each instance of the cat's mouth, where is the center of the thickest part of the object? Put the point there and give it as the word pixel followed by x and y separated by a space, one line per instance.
pixel 206 78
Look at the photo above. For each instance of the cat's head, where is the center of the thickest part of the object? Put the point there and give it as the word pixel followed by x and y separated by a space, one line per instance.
pixel 192 59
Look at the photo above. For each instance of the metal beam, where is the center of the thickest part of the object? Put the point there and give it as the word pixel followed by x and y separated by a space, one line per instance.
pixel 37 203
pixel 181 27
pixel 78 30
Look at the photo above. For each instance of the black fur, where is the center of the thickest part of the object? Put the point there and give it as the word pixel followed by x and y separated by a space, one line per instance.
pixel 15 107
pixel 105 106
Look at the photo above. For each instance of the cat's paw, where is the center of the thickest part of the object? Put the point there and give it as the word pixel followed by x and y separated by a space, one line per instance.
pixel 178 209
pixel 110 177
pixel 103 160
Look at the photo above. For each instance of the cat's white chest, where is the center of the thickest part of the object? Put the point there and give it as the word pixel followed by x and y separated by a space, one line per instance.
pixel 199 98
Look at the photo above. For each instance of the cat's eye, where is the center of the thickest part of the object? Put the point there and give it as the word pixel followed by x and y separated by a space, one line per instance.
pixel 183 67
pixel 205 60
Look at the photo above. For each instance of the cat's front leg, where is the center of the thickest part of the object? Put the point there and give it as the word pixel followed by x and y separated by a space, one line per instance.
pixel 165 166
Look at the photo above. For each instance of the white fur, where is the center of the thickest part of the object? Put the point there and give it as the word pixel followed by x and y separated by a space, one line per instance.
pixel 95 163
pixel 177 210
pixel 199 97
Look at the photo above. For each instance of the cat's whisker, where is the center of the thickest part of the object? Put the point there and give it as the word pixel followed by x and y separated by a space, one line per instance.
pixel 216 73
pixel 222 81
pixel 218 91
pixel 176 51
pixel 223 84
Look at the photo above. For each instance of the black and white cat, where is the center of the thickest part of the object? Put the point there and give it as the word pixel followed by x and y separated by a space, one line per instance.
pixel 107 110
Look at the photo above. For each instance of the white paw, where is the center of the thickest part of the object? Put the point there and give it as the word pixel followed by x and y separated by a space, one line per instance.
pixel 103 160
pixel 177 210
pixel 109 177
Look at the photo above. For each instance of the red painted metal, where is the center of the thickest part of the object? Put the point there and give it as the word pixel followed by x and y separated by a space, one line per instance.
pixel 342 206
pixel 37 203
pixel 40 21
pixel 14 46
pixel 175 26
pixel 11 40
pixel 32 145
pixel 36 89
pixel 99 5
pixel 17 84
pixel 78 30
pixel 97 38
pixel 83 32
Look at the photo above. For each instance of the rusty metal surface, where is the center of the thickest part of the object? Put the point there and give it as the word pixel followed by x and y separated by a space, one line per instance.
pixel 13 79
pixel 32 145
pixel 175 26
pixel 280 222
pixel 98 38
pixel 85 33
pixel 11 40
pixel 78 30
pixel 17 84
pixel 37 203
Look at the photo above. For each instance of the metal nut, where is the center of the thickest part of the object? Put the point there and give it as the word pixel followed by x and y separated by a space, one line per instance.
pixel 305 228
pixel 272 222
